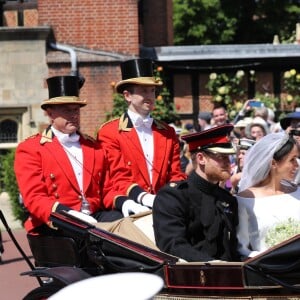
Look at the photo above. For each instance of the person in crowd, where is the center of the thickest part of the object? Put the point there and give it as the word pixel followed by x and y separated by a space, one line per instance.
pixel 263 200
pixel 250 111
pixel 290 121
pixel 256 130
pixel 219 116
pixel 184 155
pixel 274 125
pixel 239 130
pixel 189 127
pixel 150 147
pixel 63 169
pixel 261 114
pixel 291 125
pixel 294 131
pixel 178 129
pixel 204 118
pixel 243 146
pixel 195 219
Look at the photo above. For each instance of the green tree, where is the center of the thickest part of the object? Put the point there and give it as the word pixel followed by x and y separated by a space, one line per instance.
pixel 261 20
pixel 201 22
pixel 119 107
pixel 207 22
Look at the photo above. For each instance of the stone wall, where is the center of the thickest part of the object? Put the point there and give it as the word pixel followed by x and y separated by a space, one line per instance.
pixel 22 72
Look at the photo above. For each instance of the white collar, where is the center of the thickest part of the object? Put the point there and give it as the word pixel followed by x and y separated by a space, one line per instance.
pixel 65 138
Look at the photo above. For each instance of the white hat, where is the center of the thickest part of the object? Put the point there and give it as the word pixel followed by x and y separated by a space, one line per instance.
pixel 243 122
pixel 257 121
pixel 132 285
pixel 245 143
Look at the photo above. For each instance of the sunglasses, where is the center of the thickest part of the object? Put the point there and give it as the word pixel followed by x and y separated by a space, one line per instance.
pixel 295 132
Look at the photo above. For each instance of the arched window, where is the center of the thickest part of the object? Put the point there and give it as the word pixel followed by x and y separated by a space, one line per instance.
pixel 8 131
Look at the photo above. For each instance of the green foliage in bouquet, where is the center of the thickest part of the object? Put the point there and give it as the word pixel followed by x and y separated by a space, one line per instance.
pixel 282 231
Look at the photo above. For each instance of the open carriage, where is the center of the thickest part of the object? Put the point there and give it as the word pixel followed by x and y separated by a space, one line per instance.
pixel 87 251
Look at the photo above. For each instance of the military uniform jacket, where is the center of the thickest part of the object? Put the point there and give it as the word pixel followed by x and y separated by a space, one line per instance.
pixel 195 220
pixel 120 139
pixel 46 178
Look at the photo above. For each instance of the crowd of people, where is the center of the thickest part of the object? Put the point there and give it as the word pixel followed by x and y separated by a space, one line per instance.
pixel 201 186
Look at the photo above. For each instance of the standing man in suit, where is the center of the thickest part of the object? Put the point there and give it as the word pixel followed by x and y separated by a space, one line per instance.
pixel 149 147
pixel 63 169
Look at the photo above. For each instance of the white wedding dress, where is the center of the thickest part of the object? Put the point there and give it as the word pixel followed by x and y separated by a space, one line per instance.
pixel 258 216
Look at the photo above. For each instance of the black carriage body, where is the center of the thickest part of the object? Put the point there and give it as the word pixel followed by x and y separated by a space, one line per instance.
pixel 276 268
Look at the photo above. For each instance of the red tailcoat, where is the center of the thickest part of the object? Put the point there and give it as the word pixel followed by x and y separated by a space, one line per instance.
pixel 119 137
pixel 46 178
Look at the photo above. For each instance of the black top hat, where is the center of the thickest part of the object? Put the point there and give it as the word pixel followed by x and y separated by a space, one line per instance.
pixel 64 90
pixel 215 139
pixel 137 71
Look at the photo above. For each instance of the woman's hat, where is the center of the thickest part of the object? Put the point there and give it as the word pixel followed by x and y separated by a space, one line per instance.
pixel 215 139
pixel 137 71
pixel 257 122
pixel 286 121
pixel 241 125
pixel 64 90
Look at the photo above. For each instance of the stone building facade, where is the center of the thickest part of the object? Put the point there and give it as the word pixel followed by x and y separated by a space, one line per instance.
pixel 40 38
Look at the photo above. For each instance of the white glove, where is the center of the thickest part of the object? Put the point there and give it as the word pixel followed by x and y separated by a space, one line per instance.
pixel 146 199
pixel 130 207
pixel 82 216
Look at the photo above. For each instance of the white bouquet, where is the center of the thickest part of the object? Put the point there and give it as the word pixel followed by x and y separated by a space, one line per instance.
pixel 282 231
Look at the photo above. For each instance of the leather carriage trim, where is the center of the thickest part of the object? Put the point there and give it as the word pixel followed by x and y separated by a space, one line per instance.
pixel 202 277
pixel 142 250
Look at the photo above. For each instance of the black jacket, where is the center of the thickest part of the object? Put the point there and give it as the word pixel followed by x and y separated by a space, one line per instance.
pixel 196 220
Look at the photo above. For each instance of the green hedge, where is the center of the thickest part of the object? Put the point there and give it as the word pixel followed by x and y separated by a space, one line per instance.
pixel 10 185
